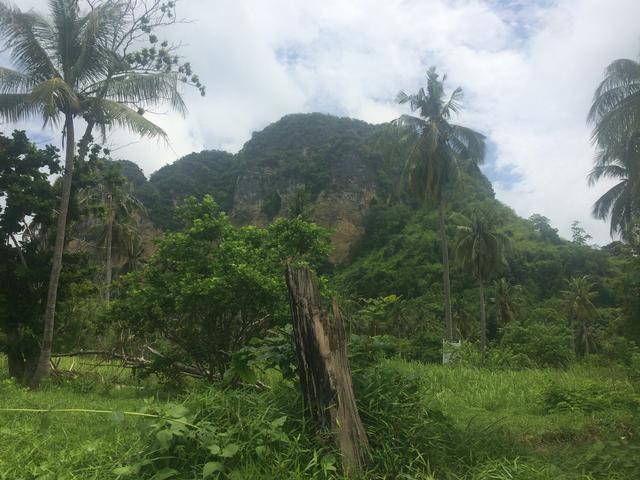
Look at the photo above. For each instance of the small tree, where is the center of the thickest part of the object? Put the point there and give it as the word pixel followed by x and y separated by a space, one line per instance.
pixel 210 287
pixel 579 235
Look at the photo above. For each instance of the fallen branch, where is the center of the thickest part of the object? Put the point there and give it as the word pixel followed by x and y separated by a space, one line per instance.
pixel 135 362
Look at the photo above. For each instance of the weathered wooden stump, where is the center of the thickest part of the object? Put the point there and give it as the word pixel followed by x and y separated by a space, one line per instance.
pixel 323 367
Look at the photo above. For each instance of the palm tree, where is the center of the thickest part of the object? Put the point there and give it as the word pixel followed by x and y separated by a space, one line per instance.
pixel 481 250
pixel 615 115
pixel 71 66
pixel 580 310
pixel 117 227
pixel 433 166
pixel 505 301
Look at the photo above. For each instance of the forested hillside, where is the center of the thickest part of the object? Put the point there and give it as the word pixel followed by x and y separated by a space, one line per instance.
pixel 346 175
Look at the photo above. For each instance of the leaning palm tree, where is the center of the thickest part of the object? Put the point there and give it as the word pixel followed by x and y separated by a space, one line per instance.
pixel 615 115
pixel 433 166
pixel 70 66
pixel 578 302
pixel 481 249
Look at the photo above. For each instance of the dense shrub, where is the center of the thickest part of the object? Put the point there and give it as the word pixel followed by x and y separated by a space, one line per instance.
pixel 211 287
pixel 547 345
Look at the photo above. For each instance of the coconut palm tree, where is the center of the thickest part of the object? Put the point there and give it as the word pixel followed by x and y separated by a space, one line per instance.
pixel 433 166
pixel 71 66
pixel 505 301
pixel 481 249
pixel 578 301
pixel 116 224
pixel 615 115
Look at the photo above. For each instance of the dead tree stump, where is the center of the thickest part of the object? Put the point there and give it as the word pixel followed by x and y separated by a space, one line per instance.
pixel 323 367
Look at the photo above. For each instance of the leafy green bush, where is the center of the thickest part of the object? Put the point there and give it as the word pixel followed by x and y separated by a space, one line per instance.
pixel 211 287
pixel 547 345
pixel 618 349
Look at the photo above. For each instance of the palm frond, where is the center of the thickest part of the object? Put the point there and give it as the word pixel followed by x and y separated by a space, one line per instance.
pixel 615 204
pixel 616 103
pixel 606 171
pixel 409 121
pixel 12 81
pixel 467 143
pixel 27 35
pixel 18 107
pixel 65 28
pixel 622 77
pixel 143 89
pixel 454 103
pixel 113 113
pixel 55 96
pixel 97 30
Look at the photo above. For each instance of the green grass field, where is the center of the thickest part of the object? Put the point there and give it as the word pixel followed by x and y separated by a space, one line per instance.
pixel 424 421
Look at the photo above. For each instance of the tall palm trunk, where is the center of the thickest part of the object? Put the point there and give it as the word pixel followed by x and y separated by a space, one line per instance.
pixel 44 361
pixel 445 272
pixel 107 277
pixel 483 318
pixel 42 368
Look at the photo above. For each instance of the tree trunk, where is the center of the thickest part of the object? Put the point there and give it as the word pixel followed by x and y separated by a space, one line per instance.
pixel 445 272
pixel 483 318
pixel 42 368
pixel 323 367
pixel 107 277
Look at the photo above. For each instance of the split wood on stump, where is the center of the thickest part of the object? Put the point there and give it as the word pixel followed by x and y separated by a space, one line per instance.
pixel 323 367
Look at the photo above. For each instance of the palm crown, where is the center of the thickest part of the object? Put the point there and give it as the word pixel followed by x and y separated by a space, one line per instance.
pixel 615 114
pixel 433 166
pixel 480 247
pixel 73 64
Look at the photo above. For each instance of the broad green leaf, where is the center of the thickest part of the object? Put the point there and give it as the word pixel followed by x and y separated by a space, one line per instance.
pixel 328 463
pixel 164 438
pixel 278 422
pixel 210 468
pixel 215 449
pixel 230 450
pixel 177 411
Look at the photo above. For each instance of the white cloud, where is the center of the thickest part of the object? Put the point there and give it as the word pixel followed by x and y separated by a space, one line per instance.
pixel 528 70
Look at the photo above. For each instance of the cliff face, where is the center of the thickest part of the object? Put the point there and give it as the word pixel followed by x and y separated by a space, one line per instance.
pixel 323 163
pixel 330 169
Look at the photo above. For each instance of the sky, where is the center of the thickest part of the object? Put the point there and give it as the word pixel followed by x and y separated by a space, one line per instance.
pixel 528 70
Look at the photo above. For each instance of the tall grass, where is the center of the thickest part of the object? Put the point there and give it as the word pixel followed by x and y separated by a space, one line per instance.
pixel 423 421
